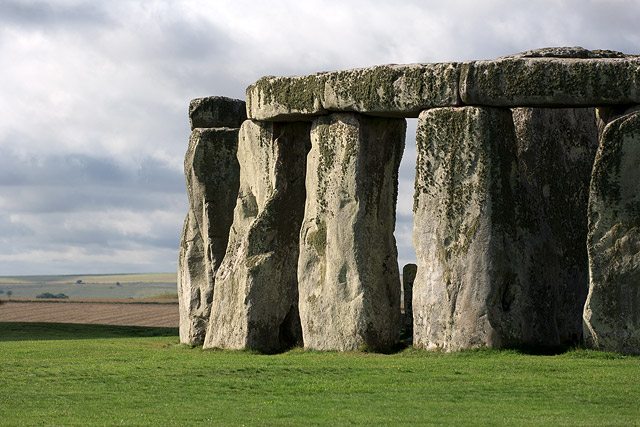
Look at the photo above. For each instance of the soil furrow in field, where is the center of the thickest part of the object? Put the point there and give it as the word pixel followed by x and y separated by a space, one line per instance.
pixel 163 315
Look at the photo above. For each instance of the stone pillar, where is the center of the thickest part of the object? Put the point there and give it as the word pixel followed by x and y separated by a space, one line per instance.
pixel 556 149
pixel 348 271
pixel 500 225
pixel 612 310
pixel 255 302
pixel 408 277
pixel 212 176
pixel 464 227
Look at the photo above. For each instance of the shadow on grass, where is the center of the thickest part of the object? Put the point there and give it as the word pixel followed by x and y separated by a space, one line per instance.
pixel 543 350
pixel 28 331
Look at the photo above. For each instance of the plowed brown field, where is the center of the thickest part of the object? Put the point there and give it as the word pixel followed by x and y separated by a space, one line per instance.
pixel 126 314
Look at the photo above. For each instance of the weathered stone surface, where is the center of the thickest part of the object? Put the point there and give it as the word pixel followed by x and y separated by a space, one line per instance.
pixel 348 273
pixel 216 112
pixel 500 225
pixel 408 277
pixel 547 78
pixel 255 302
pixel 286 98
pixel 555 153
pixel 392 90
pixel 575 52
pixel 463 226
pixel 387 90
pixel 212 177
pixel 612 311
pixel 195 284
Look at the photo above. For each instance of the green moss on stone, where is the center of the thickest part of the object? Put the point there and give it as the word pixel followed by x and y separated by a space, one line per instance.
pixel 536 81
pixel 318 238
pixel 301 94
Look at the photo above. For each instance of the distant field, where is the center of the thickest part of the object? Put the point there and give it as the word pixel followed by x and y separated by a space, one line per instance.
pixel 116 286
pixel 126 314
pixel 92 278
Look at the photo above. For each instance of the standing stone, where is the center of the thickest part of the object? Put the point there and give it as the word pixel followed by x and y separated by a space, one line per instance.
pixel 555 149
pixel 348 271
pixel 612 310
pixel 212 177
pixel 408 277
pixel 499 226
pixel 255 302
pixel 464 227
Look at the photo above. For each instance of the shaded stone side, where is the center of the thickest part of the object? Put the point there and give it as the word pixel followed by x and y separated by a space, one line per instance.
pixel 555 153
pixel 464 228
pixel 348 273
pixel 408 277
pixel 255 302
pixel 612 310
pixel 216 112
pixel 212 178
pixel 547 82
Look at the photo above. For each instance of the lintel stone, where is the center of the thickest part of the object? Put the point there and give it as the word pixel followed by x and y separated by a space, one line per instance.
pixel 216 112
pixel 549 77
pixel 392 90
pixel 545 81
pixel 286 98
pixel 385 90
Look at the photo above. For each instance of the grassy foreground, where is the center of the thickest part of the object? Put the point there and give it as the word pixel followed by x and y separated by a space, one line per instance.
pixel 93 375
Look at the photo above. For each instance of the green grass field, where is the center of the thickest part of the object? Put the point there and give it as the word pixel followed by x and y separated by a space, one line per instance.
pixel 120 286
pixel 101 375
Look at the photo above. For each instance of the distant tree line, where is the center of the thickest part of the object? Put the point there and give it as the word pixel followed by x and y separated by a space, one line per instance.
pixel 50 295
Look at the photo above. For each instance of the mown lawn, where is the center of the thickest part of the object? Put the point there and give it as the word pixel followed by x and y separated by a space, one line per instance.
pixel 69 374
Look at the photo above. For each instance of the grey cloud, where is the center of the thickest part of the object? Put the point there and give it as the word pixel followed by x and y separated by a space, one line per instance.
pixel 78 182
pixel 155 175
pixel 41 14
pixel 69 198
pixel 10 229
pixel 53 170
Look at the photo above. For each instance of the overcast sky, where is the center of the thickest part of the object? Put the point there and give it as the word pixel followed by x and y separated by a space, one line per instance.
pixel 94 97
